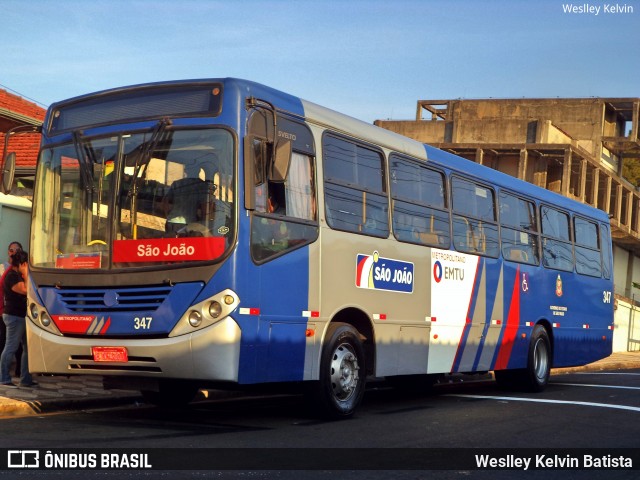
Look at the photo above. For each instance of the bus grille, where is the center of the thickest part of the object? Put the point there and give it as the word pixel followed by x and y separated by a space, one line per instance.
pixel 134 365
pixel 121 299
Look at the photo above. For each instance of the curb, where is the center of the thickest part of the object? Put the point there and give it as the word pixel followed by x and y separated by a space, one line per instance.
pixel 10 407
pixel 597 367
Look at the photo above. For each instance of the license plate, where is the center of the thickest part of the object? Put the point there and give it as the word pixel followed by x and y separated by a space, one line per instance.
pixel 110 354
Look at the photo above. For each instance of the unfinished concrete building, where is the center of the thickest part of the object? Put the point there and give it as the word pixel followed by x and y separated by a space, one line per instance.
pixel 576 147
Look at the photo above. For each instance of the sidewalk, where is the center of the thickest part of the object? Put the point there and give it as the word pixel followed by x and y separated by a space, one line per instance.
pixel 61 393
pixel 82 392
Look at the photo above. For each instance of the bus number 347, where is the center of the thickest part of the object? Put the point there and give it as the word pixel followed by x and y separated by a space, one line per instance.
pixel 142 323
pixel 606 296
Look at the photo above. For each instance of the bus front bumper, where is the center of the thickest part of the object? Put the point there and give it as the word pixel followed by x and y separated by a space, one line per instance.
pixel 212 353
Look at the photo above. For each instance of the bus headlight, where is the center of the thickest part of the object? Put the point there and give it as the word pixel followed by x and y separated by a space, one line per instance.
pixel 195 318
pixel 33 309
pixel 45 319
pixel 215 309
pixel 206 313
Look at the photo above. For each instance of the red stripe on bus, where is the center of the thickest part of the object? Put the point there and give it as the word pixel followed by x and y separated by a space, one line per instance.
pixel 359 271
pixel 511 330
pixel 106 326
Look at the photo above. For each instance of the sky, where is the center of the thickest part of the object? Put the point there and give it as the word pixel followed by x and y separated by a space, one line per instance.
pixel 371 59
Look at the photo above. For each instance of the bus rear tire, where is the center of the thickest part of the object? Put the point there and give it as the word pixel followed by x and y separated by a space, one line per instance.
pixel 342 373
pixel 535 377
pixel 170 394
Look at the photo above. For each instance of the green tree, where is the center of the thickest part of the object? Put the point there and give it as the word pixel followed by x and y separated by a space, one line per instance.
pixel 631 171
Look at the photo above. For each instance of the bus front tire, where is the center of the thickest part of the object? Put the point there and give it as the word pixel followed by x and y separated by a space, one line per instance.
pixel 342 373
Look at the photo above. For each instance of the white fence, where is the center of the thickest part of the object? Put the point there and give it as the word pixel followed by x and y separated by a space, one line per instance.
pixel 626 333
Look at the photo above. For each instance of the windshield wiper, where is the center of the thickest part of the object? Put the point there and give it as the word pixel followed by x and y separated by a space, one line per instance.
pixel 86 160
pixel 143 158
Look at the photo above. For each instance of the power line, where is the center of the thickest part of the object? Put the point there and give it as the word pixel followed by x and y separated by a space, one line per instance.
pixel 23 96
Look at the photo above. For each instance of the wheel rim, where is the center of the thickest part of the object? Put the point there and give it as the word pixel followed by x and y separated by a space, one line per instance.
pixel 344 372
pixel 540 360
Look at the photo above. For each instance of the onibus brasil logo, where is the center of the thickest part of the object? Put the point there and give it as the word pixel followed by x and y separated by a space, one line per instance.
pixel 374 272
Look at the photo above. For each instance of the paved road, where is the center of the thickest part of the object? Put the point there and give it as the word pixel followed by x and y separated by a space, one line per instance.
pixel 587 410
pixel 81 392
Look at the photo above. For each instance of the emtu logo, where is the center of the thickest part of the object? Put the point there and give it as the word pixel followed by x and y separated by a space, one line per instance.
pixel 437 271
pixel 23 459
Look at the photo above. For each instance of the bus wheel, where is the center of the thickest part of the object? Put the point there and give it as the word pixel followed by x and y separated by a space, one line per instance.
pixel 342 373
pixel 170 394
pixel 535 377
pixel 539 362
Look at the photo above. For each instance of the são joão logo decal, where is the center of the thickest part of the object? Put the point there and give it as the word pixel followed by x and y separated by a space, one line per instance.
pixel 377 273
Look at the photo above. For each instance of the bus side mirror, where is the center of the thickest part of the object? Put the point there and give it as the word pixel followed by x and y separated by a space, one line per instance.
pixel 8 171
pixel 281 161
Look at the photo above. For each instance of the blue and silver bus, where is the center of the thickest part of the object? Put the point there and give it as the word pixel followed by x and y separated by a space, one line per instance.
pixel 219 233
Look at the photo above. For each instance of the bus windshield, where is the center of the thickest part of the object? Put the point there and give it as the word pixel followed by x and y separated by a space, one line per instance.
pixel 135 199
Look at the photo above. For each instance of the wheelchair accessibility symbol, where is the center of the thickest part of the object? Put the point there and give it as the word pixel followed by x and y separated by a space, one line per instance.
pixel 525 282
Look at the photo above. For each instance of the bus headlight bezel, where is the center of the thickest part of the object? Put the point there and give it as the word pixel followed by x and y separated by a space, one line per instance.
pixel 206 313
pixel 39 316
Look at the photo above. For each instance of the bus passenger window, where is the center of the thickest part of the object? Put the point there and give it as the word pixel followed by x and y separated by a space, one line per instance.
pixel 557 251
pixel 475 229
pixel 419 207
pixel 605 245
pixel 588 260
pixel 520 237
pixel 355 192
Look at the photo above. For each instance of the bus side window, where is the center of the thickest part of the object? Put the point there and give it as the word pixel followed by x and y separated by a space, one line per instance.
pixel 519 231
pixel 588 260
pixel 419 206
pixel 355 191
pixel 286 212
pixel 557 250
pixel 605 247
pixel 475 229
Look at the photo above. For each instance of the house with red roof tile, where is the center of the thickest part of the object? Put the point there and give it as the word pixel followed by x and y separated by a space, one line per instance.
pixel 15 111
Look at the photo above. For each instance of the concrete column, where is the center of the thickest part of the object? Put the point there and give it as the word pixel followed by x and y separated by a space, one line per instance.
pixel 566 173
pixel 522 164
pixel 595 187
pixel 627 221
pixel 583 180
pixel 480 156
pixel 607 195
pixel 635 207
pixel 617 213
